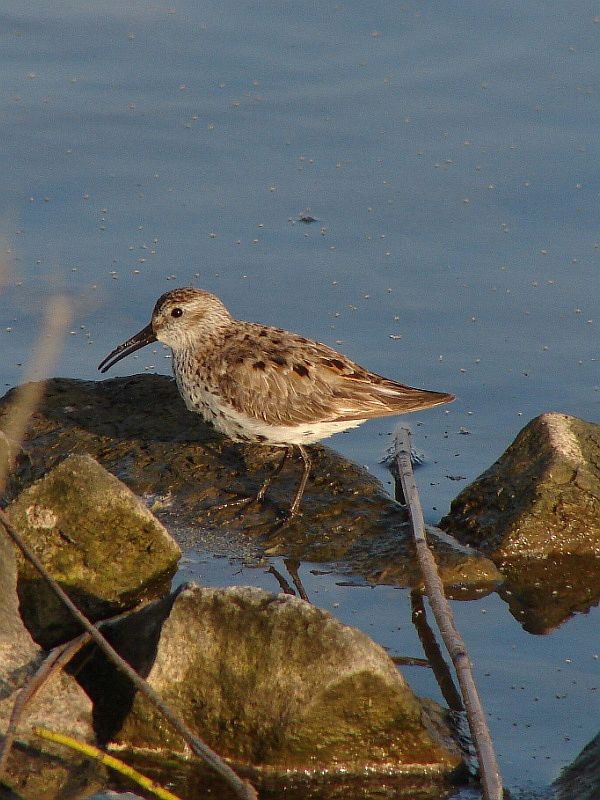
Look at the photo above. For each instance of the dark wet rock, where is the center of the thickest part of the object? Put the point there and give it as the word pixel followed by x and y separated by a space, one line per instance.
pixel 392 560
pixel 38 768
pixel 96 538
pixel 271 682
pixel 581 779
pixel 540 499
pixel 139 429
pixel 192 780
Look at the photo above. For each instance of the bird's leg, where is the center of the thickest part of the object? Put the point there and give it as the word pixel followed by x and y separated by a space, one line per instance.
pixel 302 485
pixel 295 505
pixel 260 495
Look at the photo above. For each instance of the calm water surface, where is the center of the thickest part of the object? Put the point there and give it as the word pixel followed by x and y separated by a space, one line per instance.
pixel 449 154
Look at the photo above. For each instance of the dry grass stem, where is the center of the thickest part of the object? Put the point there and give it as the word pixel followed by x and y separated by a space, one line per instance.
pixel 28 396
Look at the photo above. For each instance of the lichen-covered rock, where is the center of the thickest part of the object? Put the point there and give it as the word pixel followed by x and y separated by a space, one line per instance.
pixel 96 538
pixel 139 429
pixel 542 496
pixel 272 682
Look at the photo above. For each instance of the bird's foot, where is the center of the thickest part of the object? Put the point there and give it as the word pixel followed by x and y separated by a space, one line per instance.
pixel 238 502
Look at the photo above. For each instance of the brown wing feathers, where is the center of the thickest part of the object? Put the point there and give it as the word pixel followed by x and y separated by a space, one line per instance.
pixel 296 380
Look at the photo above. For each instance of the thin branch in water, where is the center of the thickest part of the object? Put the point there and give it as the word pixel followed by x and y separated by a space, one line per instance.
pixel 432 650
pixel 108 761
pixel 242 788
pixel 410 661
pixel 491 781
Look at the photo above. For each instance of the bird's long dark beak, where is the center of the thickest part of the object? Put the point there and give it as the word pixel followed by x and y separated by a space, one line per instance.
pixel 141 339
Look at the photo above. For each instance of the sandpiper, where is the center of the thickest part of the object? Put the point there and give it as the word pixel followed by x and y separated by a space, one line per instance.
pixel 260 384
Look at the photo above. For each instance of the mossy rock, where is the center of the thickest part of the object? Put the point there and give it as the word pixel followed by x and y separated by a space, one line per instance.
pixel 541 498
pixel 271 682
pixel 96 538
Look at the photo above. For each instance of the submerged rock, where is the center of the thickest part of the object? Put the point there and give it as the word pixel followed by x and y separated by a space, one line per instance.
pixel 273 683
pixel 96 538
pixel 541 498
pixel 139 429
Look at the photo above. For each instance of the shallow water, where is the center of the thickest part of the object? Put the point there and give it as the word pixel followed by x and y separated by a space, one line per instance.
pixel 449 154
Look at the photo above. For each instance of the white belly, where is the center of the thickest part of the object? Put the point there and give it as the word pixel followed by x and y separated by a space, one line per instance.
pixel 239 427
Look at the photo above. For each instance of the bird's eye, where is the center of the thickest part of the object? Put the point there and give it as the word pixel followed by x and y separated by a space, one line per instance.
pixel 177 312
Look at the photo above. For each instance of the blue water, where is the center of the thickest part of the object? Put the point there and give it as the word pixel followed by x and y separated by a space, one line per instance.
pixel 449 153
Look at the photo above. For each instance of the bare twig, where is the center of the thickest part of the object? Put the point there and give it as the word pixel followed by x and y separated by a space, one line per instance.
pixel 410 661
pixel 109 761
pixel 491 781
pixel 243 789
pixel 432 650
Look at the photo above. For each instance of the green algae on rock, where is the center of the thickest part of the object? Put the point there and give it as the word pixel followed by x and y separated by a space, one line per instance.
pixel 274 683
pixel 96 538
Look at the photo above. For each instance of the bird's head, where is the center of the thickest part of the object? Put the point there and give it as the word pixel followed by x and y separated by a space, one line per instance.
pixel 181 318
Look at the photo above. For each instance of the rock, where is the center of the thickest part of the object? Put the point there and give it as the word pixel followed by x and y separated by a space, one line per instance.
pixel 581 779
pixel 139 429
pixel 273 683
pixel 96 538
pixel 541 498
pixel 60 704
pixel 59 775
pixel 466 574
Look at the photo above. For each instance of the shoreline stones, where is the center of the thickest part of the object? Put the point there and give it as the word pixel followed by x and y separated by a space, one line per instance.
pixel 536 513
pixel 36 766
